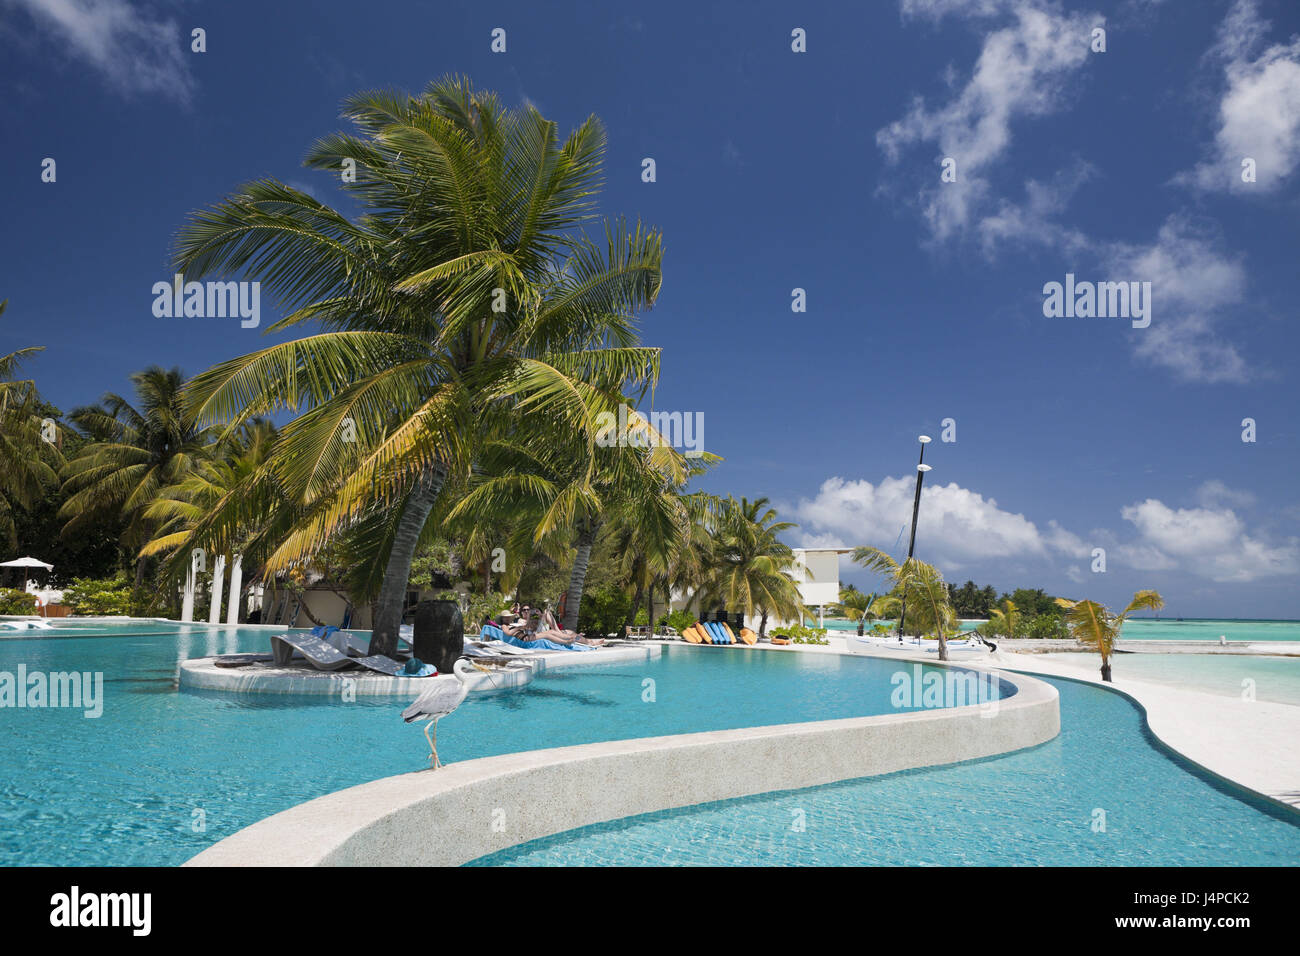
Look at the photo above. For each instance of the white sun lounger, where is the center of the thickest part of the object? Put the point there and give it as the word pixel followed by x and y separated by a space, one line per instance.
pixel 320 654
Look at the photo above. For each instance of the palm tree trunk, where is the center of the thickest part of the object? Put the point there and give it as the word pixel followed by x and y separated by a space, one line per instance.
pixel 762 625
pixel 392 594
pixel 943 644
pixel 1105 670
pixel 577 579
pixel 650 606
pixel 636 603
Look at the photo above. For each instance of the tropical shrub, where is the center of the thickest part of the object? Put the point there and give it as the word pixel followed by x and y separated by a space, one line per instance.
pixel 13 601
pixel 677 620
pixel 1047 627
pixel 603 611
pixel 799 634
pixel 99 595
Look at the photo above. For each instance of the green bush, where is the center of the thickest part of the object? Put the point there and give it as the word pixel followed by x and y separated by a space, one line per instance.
pixel 603 611
pixel 99 595
pixel 16 602
pixel 799 634
pixel 642 618
pixel 677 620
pixel 1047 627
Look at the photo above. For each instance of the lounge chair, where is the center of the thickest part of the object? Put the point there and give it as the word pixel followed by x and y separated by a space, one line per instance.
pixel 321 655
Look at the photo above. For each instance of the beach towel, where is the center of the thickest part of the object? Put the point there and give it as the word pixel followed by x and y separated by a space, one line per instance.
pixel 493 633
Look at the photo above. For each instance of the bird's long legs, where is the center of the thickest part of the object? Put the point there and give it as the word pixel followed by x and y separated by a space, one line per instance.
pixel 433 743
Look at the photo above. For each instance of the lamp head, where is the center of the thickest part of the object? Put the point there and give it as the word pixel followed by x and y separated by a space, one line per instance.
pixel 924 439
pixel 922 468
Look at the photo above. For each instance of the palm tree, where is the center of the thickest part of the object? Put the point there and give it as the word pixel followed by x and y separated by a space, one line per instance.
pixel 923 584
pixel 556 489
pixel 752 570
pixel 182 514
pixel 1004 620
pixel 132 453
pixel 1093 624
pixel 857 605
pixel 27 461
pixel 463 304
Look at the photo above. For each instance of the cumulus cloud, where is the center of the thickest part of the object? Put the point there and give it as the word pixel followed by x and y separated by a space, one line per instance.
pixel 1022 71
pixel 959 526
pixel 962 528
pixel 1259 112
pixel 1210 542
pixel 135 52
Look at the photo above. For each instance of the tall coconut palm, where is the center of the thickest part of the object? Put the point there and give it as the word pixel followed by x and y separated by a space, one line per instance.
pixel 929 604
pixel 179 510
pixel 565 489
pixel 463 304
pixel 133 451
pixel 752 569
pixel 27 460
pixel 1093 624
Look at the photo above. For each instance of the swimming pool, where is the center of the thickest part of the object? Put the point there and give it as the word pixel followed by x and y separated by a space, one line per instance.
pixel 165 773
pixel 1044 806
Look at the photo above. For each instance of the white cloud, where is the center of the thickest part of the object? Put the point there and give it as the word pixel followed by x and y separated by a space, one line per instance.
pixel 1215 494
pixel 135 53
pixel 1022 71
pixel 1193 281
pixel 1209 542
pixel 957 525
pixel 1259 112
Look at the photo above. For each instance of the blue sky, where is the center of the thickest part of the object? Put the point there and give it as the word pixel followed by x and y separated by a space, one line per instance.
pixel 779 170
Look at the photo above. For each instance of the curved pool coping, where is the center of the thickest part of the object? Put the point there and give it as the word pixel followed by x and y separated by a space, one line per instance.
pixel 1158 706
pixel 468 810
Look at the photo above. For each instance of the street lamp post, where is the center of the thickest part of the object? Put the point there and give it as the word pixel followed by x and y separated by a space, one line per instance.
pixel 921 469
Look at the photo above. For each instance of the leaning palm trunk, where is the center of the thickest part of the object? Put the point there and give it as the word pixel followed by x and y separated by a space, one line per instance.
pixel 578 579
pixel 392 594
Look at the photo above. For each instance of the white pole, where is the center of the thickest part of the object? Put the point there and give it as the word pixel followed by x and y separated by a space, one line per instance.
pixel 218 579
pixel 236 585
pixel 821 615
pixel 187 605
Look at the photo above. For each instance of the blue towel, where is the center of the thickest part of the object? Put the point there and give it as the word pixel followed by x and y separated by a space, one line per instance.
pixel 493 633
pixel 323 631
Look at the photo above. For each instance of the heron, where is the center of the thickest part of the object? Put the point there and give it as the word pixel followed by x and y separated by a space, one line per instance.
pixel 440 700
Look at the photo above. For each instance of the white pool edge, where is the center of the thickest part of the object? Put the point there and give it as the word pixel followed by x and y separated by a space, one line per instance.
pixel 468 810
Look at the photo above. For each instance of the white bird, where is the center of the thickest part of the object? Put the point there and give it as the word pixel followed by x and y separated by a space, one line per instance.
pixel 440 700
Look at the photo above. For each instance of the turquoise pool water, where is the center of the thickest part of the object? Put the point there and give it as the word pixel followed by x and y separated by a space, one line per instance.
pixel 1033 807
pixel 125 788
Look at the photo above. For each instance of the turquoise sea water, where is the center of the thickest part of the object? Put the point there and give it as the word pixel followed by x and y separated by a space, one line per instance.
pixel 124 788
pixel 1144 629
pixel 1275 679
pixel 1037 807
